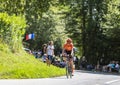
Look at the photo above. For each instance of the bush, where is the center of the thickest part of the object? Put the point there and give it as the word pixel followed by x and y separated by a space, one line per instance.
pixel 12 29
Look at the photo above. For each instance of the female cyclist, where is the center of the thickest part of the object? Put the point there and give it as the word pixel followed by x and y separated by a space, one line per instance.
pixel 68 50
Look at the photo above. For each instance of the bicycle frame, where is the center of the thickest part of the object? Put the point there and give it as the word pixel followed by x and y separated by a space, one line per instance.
pixel 68 67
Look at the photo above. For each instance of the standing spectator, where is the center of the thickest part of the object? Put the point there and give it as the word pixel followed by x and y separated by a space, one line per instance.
pixel 50 51
pixel 44 49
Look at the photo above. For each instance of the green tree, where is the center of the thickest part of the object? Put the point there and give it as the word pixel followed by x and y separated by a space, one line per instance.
pixel 12 30
pixel 111 26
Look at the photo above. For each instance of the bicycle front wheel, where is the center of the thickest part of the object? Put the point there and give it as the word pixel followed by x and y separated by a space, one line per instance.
pixel 67 75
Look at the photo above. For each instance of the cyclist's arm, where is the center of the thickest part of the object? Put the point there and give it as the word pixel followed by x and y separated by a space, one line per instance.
pixel 63 52
pixel 72 53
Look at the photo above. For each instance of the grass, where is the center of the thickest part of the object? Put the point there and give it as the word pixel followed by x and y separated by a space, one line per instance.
pixel 22 65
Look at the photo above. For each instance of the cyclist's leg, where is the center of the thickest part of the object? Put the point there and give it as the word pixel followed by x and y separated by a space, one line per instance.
pixel 70 59
pixel 72 65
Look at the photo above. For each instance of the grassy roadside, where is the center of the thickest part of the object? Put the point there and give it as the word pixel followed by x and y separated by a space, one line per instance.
pixel 22 65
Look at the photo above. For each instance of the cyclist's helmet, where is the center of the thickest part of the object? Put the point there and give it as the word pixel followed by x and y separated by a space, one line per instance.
pixel 69 40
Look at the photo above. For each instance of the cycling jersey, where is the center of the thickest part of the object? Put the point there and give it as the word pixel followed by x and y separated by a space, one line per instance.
pixel 68 47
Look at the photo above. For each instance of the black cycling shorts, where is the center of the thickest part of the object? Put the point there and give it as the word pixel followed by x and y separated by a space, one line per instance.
pixel 68 53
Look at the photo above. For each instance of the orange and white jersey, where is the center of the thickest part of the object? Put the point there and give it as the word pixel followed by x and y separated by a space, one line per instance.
pixel 68 47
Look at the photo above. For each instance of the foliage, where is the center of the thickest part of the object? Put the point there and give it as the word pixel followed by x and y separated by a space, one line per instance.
pixel 31 9
pixel 111 29
pixel 90 23
pixel 24 7
pixel 12 29
pixel 112 18
pixel 49 27
pixel 94 25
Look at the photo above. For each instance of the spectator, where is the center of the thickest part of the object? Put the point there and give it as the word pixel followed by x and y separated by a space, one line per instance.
pixel 83 64
pixel 76 62
pixel 39 53
pixel 111 66
pixel 44 57
pixel 50 51
pixel 62 64
pixel 36 55
pixel 117 66
pixel 44 48
pixel 90 67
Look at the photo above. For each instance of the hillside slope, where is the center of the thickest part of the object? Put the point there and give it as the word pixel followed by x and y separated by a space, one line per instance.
pixel 22 65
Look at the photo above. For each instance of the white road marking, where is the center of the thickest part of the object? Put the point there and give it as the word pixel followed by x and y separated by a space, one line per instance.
pixel 111 81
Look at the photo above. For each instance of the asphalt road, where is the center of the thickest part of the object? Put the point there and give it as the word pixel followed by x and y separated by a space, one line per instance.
pixel 79 78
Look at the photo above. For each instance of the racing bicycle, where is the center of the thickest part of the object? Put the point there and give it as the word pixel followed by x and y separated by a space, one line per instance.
pixel 68 67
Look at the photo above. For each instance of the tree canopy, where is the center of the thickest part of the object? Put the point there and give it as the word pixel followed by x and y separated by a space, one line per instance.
pixel 94 25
